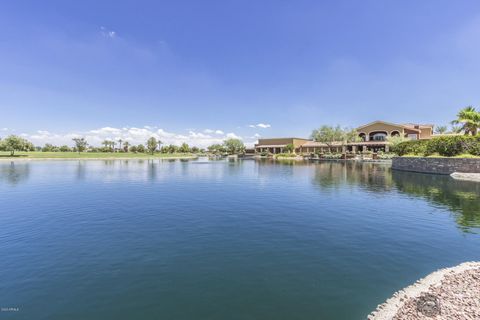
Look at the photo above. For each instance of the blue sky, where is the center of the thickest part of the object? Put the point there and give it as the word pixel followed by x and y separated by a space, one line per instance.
pixel 202 70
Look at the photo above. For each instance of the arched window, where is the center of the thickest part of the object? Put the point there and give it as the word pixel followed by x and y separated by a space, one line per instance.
pixel 378 136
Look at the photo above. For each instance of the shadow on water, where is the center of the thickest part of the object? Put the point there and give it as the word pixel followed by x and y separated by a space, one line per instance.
pixel 460 197
pixel 15 173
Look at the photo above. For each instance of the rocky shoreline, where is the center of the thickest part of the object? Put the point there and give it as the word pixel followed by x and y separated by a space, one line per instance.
pixel 446 294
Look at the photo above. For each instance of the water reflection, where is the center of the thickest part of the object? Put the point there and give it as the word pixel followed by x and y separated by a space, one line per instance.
pixel 14 173
pixel 335 175
pixel 460 197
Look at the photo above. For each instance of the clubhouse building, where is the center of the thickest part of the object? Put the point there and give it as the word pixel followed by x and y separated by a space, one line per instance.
pixel 372 137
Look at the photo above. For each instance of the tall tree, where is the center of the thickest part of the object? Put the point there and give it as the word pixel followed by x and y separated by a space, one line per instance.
pixel 334 135
pixel 441 129
pixel 120 144
pixel 469 120
pixel 80 144
pixel 184 148
pixel 234 146
pixel 141 148
pixel 106 144
pixel 172 148
pixel 14 143
pixel 216 148
pixel 126 145
pixel 152 144
pixel 289 148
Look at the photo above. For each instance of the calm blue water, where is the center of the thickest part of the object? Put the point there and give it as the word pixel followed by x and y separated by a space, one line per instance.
pixel 223 240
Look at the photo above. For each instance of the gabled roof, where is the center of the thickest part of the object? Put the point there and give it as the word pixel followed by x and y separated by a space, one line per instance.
pixel 410 126
pixel 379 121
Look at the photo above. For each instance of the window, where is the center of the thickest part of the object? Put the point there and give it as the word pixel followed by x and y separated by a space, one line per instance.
pixel 379 137
pixel 412 136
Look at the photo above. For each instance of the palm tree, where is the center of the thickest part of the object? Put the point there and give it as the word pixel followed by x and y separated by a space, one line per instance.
pixel 469 120
pixel 440 129
pixel 120 143
pixel 125 146
pixel 106 143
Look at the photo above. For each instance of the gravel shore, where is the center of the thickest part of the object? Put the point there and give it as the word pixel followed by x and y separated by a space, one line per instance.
pixel 447 294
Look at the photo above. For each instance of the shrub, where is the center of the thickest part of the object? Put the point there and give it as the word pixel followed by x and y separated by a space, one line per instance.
pixel 410 147
pixel 285 155
pixel 385 156
pixel 446 146
pixel 332 156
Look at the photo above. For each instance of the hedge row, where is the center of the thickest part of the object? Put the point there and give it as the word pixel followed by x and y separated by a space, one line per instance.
pixel 448 146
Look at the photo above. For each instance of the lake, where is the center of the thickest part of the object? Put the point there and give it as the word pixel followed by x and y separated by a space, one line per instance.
pixel 222 240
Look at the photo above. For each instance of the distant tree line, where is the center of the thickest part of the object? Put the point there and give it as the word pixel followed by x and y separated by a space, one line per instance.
pixel 229 146
pixel 15 143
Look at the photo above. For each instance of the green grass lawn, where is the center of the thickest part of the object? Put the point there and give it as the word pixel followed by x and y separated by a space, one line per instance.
pixel 93 155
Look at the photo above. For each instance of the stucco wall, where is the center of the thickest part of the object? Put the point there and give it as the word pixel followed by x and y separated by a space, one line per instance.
pixel 436 165
pixel 426 133
pixel 282 141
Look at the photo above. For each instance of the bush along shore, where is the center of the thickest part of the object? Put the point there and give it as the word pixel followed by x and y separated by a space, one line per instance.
pixel 462 146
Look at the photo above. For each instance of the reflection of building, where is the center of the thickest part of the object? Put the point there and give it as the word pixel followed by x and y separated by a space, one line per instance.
pixel 373 137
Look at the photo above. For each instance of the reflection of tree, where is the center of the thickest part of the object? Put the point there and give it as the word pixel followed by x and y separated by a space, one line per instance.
pixel 81 170
pixel 14 173
pixel 152 170
pixel 461 197
pixel 333 174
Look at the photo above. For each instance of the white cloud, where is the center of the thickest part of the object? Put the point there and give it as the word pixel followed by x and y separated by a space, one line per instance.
pixel 209 131
pixel 107 33
pixel 133 135
pixel 260 125
pixel 232 135
pixel 256 135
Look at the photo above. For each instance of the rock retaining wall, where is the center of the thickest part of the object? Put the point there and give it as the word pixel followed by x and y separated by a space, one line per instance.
pixel 436 165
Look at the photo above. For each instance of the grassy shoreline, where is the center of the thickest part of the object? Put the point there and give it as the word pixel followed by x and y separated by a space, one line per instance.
pixel 93 156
